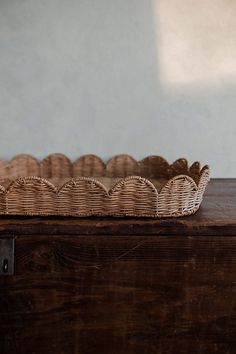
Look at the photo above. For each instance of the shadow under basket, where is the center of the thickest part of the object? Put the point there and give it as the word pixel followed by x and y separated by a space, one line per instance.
pixel 123 187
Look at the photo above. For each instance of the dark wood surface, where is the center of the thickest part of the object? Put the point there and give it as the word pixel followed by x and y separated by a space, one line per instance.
pixel 216 216
pixel 112 293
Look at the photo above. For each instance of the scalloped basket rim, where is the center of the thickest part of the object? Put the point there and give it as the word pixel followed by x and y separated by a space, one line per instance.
pixel 105 164
pixel 80 158
pixel 21 180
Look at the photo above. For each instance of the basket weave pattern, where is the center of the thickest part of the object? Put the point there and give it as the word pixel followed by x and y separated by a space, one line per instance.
pixel 123 187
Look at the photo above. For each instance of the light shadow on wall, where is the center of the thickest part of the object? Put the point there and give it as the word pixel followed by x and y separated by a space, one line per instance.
pixel 196 48
pixel 196 42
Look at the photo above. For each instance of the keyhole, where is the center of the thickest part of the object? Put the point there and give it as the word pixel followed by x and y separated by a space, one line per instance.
pixel 5 266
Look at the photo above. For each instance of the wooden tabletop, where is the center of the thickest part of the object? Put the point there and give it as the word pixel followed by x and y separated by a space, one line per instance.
pixel 217 216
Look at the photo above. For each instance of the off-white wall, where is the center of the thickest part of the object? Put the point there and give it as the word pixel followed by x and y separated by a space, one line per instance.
pixel 129 76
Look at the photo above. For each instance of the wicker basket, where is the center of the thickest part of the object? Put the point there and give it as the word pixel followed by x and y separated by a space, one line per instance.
pixel 122 187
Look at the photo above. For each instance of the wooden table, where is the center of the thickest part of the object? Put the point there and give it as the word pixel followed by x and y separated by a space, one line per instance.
pixel 122 286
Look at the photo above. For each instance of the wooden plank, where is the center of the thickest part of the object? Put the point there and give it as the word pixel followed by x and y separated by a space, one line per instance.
pixel 217 216
pixel 116 295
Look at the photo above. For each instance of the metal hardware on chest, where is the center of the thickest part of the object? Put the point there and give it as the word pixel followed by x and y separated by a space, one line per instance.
pixel 7 256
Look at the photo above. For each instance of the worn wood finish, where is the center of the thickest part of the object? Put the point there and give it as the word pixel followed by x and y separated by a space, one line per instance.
pixel 217 216
pixel 120 295
pixel 118 286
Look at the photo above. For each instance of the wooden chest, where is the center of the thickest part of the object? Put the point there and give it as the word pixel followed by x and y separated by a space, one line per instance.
pixel 121 286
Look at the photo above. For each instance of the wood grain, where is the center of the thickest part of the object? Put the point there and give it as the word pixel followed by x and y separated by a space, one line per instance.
pixel 115 294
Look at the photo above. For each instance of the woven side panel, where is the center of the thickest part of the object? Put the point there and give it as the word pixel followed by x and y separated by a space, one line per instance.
pixel 133 196
pixel 82 196
pixel 56 165
pixel 89 166
pixel 2 200
pixel 203 181
pixel 154 167
pixel 23 165
pixel 122 166
pixel 31 196
pixel 177 197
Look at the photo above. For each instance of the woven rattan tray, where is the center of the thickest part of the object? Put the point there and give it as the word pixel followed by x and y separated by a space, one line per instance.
pixel 123 187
